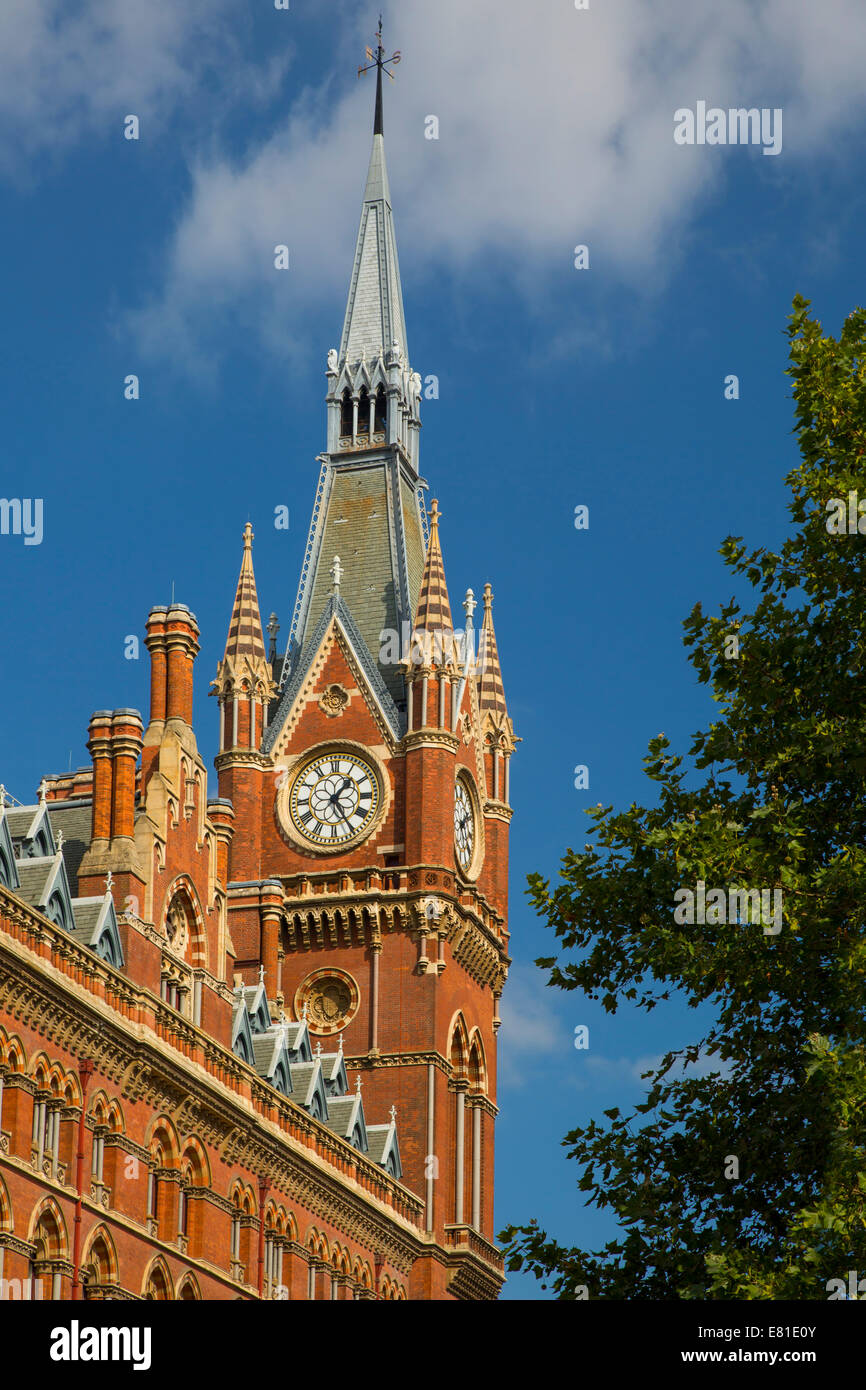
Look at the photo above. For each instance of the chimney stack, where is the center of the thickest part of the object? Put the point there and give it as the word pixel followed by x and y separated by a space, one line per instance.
pixel 126 741
pixel 99 747
pixel 181 644
pixel 155 643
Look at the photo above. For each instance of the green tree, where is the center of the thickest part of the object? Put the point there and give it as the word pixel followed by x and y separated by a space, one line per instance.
pixel 772 796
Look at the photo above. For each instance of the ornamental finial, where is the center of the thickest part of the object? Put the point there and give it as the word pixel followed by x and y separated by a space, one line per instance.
pixel 336 573
pixel 378 61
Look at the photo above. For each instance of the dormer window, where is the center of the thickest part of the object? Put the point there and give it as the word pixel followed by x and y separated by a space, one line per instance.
pixel 56 911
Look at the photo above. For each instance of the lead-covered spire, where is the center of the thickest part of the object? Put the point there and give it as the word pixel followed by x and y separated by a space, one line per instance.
pixel 374 322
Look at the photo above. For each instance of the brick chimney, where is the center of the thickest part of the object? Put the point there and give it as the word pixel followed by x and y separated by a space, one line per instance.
pixel 181 644
pixel 99 747
pixel 126 741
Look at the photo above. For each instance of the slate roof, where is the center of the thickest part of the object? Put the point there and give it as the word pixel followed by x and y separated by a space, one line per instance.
pixel 36 877
pixel 75 819
pixel 374 311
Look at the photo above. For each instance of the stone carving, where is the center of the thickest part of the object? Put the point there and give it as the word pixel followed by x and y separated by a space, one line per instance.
pixel 334 700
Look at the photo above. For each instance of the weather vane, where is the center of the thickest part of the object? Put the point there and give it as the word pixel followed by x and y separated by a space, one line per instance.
pixel 381 63
pixel 378 59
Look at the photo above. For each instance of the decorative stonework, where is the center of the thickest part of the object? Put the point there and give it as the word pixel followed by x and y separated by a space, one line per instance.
pixel 331 998
pixel 334 700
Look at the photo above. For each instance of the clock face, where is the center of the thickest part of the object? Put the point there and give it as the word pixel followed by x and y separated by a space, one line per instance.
pixel 333 799
pixel 464 825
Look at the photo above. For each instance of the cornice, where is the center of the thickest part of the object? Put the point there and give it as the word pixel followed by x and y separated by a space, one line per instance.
pixel 430 738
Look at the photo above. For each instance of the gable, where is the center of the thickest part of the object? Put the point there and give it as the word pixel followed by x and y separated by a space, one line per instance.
pixel 335 692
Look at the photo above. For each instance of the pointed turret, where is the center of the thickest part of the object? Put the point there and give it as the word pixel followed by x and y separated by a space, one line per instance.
pixel 433 629
pixel 245 629
pixel 244 683
pixel 431 663
pixel 491 691
pixel 496 727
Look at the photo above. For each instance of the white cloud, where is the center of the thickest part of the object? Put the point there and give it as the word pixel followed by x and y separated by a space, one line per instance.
pixel 556 127
pixel 531 1030
pixel 71 72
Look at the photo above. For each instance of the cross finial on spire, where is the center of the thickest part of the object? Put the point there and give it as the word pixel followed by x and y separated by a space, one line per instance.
pixel 380 63
pixel 341 1045
pixel 304 1012
pixel 435 514
pixel 319 1048
pixel 261 974
pixel 248 536
pixel 358 1084
pixel 393 1113
pixel 336 573
pixel 42 792
pixel 109 881
pixel 59 841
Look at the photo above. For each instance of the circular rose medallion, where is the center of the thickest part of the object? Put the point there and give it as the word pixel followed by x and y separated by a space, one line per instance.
pixel 331 997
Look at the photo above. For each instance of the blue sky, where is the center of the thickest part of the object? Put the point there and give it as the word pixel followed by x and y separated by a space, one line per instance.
pixel 557 386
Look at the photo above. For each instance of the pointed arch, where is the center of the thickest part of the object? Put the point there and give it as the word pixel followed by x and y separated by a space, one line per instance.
pixel 48 1231
pixel 99 1262
pixel 346 412
pixel 189 1290
pixel 458 1045
pixel 72 1090
pixel 162 1135
pixel 40 1070
pixel 195 1164
pixel 6 1222
pixel 477 1063
pixel 157 1286
pixel 12 1052
pixel 99 1108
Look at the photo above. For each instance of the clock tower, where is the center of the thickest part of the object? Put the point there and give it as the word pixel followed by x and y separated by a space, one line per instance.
pixel 368 769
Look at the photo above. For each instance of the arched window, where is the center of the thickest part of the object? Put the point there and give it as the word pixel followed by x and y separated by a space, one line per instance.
pixel 273 1256
pixel 346 412
pixel 99 1268
pixel 157 1288
pixel 364 411
pixel 189 1211
pixel 48 1257
pixel 381 409
pixel 57 912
